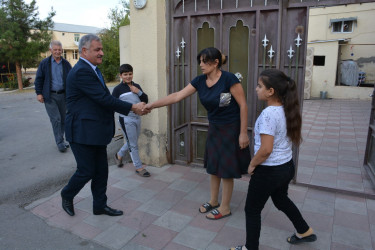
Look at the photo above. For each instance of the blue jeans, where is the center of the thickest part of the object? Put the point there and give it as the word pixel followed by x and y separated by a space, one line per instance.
pixel 270 181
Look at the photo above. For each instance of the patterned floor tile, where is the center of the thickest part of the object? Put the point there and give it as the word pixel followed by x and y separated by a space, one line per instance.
pixel 351 237
pixel 173 221
pixel 194 237
pixel 116 236
pixel 138 220
pixel 154 237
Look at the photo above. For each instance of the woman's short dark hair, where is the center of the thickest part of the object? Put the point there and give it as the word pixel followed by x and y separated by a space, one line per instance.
pixel 210 55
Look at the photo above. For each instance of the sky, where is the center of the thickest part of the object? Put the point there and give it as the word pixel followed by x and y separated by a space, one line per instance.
pixel 80 12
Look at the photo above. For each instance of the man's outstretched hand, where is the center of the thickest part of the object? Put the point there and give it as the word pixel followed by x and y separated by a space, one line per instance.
pixel 139 108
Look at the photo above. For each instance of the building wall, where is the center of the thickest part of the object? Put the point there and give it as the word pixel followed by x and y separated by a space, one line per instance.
pixel 147 54
pixel 124 34
pixel 324 77
pixel 68 44
pixel 360 48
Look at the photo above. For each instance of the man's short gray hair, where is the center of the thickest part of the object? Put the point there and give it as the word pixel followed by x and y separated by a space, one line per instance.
pixel 85 41
pixel 55 43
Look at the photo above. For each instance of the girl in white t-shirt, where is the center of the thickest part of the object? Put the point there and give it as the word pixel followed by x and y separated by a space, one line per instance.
pixel 272 168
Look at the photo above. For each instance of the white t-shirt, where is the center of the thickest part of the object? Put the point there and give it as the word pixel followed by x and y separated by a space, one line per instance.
pixel 272 121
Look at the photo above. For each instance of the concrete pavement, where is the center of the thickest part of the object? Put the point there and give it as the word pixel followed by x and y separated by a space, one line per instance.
pixel 161 212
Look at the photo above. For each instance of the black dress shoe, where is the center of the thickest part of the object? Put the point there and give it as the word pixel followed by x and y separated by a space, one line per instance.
pixel 68 207
pixel 108 211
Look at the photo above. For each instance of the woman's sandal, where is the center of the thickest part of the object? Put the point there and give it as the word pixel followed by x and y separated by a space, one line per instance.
pixel 208 207
pixel 217 215
pixel 295 240
pixel 143 173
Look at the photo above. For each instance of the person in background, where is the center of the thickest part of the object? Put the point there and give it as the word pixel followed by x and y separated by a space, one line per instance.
pixel 131 92
pixel 277 128
pixel 227 153
pixel 90 126
pixel 50 83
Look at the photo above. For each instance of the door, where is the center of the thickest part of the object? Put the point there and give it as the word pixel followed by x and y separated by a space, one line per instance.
pixel 255 35
pixel 249 35
pixel 369 162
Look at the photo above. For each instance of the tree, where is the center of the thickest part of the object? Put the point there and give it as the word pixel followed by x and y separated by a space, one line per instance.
pixel 23 36
pixel 110 40
pixel 32 62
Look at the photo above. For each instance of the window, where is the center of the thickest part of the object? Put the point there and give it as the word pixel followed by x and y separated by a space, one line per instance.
pixel 343 25
pixel 64 54
pixel 75 54
pixel 76 38
pixel 319 60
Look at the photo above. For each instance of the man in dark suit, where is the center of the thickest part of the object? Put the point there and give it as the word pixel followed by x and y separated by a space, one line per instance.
pixel 90 126
pixel 50 81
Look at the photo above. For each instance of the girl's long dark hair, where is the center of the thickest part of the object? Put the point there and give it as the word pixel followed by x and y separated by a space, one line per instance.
pixel 286 91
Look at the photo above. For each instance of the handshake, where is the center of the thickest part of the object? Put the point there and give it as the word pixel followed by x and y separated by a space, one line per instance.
pixel 141 108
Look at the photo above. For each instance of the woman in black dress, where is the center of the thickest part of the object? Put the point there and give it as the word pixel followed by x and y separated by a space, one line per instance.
pixel 227 153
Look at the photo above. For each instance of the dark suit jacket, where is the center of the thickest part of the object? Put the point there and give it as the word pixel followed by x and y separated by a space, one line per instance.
pixel 90 107
pixel 43 78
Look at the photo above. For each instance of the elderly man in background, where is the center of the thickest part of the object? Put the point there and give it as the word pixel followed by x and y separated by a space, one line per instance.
pixel 50 82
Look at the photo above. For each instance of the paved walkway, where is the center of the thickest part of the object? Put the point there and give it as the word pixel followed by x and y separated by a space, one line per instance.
pixel 332 154
pixel 161 212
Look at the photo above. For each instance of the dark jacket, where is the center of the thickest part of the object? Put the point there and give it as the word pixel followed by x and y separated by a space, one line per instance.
pixel 90 107
pixel 43 78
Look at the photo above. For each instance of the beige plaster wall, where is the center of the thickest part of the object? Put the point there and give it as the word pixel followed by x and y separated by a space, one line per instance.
pixel 360 48
pixel 124 44
pixel 324 80
pixel 68 45
pixel 148 58
pixel 67 39
pixel 363 33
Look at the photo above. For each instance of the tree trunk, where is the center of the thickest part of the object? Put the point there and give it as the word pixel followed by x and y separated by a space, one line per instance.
pixel 19 75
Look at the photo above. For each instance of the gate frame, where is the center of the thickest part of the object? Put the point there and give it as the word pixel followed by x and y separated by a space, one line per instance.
pixel 283 7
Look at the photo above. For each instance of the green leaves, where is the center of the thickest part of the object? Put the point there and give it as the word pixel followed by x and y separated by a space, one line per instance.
pixel 110 40
pixel 23 36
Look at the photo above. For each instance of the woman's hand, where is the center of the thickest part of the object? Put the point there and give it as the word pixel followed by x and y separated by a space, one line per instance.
pixel 148 107
pixel 243 140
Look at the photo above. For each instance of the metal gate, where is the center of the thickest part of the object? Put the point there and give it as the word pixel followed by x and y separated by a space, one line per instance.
pixel 254 34
pixel 369 161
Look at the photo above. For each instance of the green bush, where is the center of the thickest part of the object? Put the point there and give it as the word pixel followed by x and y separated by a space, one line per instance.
pixel 13 84
pixel 26 82
pixel 10 84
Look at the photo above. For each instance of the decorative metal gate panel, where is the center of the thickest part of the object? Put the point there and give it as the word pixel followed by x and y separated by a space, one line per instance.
pixel 369 161
pixel 254 34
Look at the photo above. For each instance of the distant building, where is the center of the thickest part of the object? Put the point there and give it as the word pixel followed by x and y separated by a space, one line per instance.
pixel 340 58
pixel 69 35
